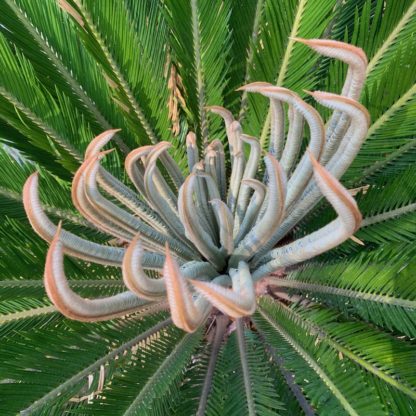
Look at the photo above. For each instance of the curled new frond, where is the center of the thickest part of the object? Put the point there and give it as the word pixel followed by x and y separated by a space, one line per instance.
pixel 203 239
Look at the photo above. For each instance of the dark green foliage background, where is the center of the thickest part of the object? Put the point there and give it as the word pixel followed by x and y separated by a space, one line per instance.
pixel 61 83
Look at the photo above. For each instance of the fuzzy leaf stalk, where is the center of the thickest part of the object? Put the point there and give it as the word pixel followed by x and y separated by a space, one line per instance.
pixel 203 240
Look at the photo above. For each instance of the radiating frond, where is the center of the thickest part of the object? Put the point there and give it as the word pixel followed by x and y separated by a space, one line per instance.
pixel 236 187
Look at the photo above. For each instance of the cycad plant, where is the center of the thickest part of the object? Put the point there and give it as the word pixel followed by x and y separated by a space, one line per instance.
pixel 226 198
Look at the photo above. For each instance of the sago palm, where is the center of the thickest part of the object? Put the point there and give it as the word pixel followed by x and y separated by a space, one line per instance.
pixel 207 207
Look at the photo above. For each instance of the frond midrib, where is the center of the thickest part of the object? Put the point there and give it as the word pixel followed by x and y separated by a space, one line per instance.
pixel 372 297
pixel 183 344
pixel 312 363
pixel 390 39
pixel 93 367
pixel 28 313
pixel 336 345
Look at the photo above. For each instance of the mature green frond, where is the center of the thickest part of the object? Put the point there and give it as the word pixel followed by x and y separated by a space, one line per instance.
pixel 392 53
pixel 332 335
pixel 22 314
pixel 280 60
pixel 22 300
pixel 391 137
pixel 12 138
pixel 200 41
pixel 36 319
pixel 317 368
pixel 375 26
pixel 245 26
pixel 44 352
pixel 17 237
pixel 56 118
pixel 393 400
pixel 385 30
pixel 391 25
pixel 393 226
pixel 346 16
pixel 303 375
pixel 390 209
pixel 67 64
pixel 186 398
pixel 382 355
pixel 143 385
pixel 388 194
pixel 55 192
pixel 21 288
pixel 228 391
pixel 333 363
pixel 139 86
pixel 24 305
pixel 293 398
pixel 378 290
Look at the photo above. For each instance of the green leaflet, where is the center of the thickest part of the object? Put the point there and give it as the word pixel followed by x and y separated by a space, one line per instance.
pixel 150 68
pixel 228 392
pixel 378 290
